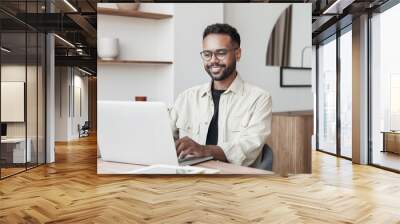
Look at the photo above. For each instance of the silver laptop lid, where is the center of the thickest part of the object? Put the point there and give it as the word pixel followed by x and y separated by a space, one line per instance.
pixel 135 132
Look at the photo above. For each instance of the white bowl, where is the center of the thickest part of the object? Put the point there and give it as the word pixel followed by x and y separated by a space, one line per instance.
pixel 108 48
pixel 128 6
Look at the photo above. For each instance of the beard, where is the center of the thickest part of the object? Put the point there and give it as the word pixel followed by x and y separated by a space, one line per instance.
pixel 221 75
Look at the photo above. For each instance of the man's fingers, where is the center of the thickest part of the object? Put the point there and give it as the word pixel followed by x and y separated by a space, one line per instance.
pixel 177 144
pixel 185 152
pixel 191 151
pixel 182 146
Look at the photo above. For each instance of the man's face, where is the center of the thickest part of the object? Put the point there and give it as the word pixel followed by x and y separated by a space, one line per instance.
pixel 222 63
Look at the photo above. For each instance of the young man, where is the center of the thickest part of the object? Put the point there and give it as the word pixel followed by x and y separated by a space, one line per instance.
pixel 226 118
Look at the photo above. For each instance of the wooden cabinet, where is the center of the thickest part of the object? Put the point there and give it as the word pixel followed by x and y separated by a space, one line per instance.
pixel 391 142
pixel 290 141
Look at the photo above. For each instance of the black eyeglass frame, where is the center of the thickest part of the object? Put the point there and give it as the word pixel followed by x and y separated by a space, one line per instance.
pixel 213 53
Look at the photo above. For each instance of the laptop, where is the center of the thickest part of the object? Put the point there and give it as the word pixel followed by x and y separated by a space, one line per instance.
pixel 138 133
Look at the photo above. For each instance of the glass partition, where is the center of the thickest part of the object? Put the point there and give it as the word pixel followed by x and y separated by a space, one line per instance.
pixel 385 89
pixel 346 94
pixel 327 96
pixel 41 97
pixel 13 110
pixel 22 88
pixel 31 100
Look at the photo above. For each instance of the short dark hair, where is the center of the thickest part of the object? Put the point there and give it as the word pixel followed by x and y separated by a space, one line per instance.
pixel 223 28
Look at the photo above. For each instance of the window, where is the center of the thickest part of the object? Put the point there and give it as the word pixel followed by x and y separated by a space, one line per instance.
pixel 334 106
pixel 327 97
pixel 385 89
pixel 395 101
pixel 346 75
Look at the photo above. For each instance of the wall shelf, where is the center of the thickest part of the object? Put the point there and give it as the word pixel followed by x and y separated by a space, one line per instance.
pixel 145 59
pixel 106 62
pixel 133 13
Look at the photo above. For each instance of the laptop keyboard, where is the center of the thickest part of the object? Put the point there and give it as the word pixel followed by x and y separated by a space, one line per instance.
pixel 193 160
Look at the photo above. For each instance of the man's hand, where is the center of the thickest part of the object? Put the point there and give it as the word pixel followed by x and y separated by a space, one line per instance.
pixel 186 146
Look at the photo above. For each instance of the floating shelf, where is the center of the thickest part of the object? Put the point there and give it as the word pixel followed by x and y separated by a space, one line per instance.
pixel 106 62
pixel 133 13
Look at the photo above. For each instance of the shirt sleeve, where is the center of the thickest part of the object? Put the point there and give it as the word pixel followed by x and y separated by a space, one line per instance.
pixel 173 116
pixel 247 147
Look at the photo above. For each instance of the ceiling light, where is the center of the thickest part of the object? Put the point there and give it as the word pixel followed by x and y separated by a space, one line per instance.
pixel 84 71
pixel 64 40
pixel 80 51
pixel 338 6
pixel 5 50
pixel 329 9
pixel 70 5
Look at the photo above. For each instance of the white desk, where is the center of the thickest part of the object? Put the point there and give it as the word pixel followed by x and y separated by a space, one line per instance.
pixel 18 149
pixel 104 167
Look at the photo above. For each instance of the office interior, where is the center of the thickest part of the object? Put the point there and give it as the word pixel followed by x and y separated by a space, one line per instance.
pixel 49 93
pixel 30 56
pixel 336 81
pixel 176 65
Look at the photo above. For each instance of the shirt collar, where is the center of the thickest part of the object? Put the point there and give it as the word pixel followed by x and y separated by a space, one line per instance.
pixel 235 87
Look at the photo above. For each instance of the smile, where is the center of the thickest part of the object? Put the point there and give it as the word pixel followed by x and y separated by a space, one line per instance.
pixel 216 68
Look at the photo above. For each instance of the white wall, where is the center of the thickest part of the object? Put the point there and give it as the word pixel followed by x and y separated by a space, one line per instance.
pixel 66 121
pixel 33 125
pixel 19 73
pixel 254 23
pixel 80 115
pixel 82 82
pixel 189 69
pixel 180 39
pixel 14 73
pixel 61 103
pixel 124 82
pixel 140 39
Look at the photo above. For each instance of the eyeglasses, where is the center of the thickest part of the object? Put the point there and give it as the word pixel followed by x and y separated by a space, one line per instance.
pixel 220 54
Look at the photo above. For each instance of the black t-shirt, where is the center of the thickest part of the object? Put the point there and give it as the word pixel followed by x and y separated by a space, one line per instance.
pixel 212 135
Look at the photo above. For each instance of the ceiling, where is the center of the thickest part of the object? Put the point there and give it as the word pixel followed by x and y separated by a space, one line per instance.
pixel 77 23
pixel 332 15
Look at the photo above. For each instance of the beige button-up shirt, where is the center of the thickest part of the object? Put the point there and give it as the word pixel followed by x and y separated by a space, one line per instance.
pixel 244 119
